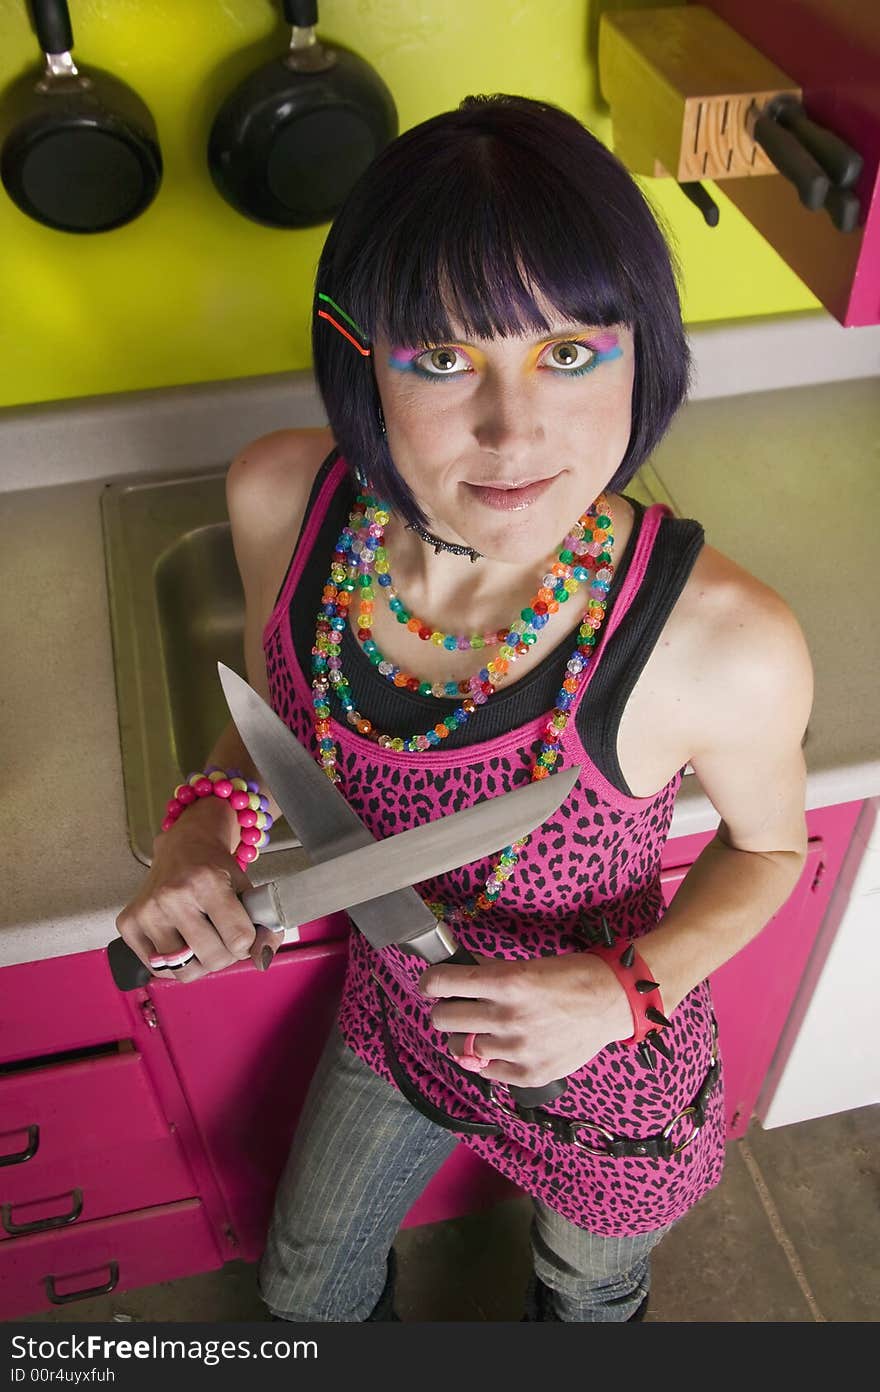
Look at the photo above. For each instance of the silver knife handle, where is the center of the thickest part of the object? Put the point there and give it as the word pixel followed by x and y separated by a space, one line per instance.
pixel 263 908
pixel 524 1097
pixel 434 944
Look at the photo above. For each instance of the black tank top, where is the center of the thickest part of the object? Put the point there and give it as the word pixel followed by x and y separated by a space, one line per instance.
pixel 401 712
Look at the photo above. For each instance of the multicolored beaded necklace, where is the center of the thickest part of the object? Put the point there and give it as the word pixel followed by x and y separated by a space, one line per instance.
pixel 587 548
pixel 562 581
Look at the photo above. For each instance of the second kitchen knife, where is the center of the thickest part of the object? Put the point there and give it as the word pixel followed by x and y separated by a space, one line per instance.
pixel 326 825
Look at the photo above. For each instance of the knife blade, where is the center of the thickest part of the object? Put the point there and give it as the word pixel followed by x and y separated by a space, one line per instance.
pixel 326 822
pixel 390 866
pixel 331 831
pixel 321 816
pixel 387 867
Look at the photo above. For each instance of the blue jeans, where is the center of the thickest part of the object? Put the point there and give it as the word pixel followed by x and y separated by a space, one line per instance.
pixel 360 1158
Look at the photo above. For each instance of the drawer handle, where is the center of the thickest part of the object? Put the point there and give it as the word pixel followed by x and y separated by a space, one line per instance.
pixel 41 1224
pixel 20 1155
pixel 57 1299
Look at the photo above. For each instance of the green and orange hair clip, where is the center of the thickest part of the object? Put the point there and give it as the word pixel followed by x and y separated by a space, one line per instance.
pixel 364 346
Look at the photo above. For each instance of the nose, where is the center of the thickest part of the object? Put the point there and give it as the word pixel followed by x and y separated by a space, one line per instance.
pixel 505 421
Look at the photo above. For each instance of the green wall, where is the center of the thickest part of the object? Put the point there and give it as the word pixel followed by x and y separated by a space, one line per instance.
pixel 193 292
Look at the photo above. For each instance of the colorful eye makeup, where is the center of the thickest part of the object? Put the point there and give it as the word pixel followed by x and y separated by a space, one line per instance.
pixel 573 357
pixel 607 346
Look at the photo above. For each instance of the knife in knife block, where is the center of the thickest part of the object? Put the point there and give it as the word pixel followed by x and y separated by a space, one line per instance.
pixel 682 86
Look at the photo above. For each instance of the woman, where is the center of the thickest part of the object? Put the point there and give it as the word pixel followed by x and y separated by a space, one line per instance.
pixel 473 602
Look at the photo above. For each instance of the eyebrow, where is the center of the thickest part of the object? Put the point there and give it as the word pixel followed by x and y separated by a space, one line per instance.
pixel 570 332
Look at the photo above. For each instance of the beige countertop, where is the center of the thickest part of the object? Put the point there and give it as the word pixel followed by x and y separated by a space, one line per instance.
pixel 786 482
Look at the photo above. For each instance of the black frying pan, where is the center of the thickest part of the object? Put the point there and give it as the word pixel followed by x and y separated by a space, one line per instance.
pixel 80 151
pixel 289 143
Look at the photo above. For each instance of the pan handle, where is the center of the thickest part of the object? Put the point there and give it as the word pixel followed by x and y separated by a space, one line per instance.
pixel 52 23
pixel 301 14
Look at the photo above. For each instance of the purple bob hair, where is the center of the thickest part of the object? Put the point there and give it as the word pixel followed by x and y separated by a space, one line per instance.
pixel 467 215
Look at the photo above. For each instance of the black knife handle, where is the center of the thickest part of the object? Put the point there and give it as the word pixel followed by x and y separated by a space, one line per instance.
pixel 526 1097
pixel 841 162
pixel 844 209
pixel 792 160
pixel 702 199
pixel 126 968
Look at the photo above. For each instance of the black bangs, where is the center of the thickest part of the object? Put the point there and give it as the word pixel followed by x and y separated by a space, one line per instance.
pixel 482 222
pixel 467 253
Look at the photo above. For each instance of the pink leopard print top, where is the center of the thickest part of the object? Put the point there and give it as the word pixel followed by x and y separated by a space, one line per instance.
pixel 599 854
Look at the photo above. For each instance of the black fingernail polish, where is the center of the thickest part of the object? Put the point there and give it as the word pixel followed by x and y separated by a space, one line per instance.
pixel 266 958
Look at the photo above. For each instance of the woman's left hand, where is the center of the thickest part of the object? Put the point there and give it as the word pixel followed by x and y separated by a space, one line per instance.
pixel 536 1020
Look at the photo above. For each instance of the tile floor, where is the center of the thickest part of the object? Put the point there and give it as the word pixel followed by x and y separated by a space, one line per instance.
pixel 791 1234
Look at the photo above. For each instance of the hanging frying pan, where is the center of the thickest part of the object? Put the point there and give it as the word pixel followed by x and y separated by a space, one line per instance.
pixel 80 151
pixel 289 143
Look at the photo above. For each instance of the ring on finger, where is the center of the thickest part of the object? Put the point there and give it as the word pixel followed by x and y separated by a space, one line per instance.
pixel 470 1059
pixel 174 960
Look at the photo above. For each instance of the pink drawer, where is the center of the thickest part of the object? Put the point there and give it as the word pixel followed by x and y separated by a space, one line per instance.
pixel 82 1140
pixel 60 1003
pixel 53 1269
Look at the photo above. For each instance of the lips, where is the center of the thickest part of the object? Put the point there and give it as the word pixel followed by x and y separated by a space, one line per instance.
pixel 506 484
pixel 510 497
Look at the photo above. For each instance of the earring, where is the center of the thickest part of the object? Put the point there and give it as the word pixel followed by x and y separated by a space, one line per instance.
pixel 381 420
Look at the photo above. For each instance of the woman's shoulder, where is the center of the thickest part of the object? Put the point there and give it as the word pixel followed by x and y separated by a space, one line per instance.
pixel 268 485
pixel 276 470
pixel 722 592
pixel 741 635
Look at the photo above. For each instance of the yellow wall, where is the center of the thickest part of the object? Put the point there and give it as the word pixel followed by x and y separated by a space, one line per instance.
pixel 193 292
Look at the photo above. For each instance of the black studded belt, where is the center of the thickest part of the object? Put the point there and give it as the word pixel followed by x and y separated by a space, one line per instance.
pixel 587 1135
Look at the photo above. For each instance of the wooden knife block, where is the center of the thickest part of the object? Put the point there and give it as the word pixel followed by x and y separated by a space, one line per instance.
pixel 684 89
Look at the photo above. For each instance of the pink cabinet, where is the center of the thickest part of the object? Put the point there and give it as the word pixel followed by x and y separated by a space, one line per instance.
pixel 244 1045
pixel 82 1140
pixel 142 1134
pixel 98 1191
pixel 112 1254
pixel 754 991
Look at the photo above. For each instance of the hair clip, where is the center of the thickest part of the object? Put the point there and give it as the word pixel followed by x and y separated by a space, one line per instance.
pixel 322 314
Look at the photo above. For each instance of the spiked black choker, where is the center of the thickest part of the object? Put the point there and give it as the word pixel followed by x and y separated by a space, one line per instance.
pixel 440 545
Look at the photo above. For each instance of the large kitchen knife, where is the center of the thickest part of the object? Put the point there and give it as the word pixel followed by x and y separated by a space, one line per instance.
pixel 389 867
pixel 331 831
pixel 325 823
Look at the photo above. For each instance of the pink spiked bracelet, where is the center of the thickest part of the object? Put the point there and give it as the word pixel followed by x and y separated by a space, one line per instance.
pixel 643 995
pixel 251 807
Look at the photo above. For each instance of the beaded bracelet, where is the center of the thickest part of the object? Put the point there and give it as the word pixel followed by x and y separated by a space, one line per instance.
pixel 251 807
pixel 643 994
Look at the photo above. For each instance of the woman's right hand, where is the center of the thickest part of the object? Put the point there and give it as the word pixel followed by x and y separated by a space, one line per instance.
pixel 189 900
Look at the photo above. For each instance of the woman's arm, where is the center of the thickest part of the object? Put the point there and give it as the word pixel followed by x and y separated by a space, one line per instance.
pixel 750 762
pixel 189 898
pixel 267 488
pixel 542 1019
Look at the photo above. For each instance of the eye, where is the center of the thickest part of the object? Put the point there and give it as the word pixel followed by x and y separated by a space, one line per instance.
pixel 570 356
pixel 442 362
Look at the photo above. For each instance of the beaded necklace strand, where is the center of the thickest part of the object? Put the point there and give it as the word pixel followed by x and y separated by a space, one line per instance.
pixel 571 568
pixel 353 559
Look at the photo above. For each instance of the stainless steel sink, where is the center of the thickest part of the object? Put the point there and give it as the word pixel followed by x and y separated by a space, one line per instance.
pixel 176 608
